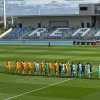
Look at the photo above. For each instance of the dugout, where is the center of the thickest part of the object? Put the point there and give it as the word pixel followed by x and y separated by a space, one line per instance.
pixel 84 43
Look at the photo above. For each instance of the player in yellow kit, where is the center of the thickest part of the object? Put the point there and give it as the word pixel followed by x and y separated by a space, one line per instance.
pixel 42 68
pixel 19 67
pixel 30 67
pixel 53 69
pixel 66 69
pixel 9 66
pixel 57 68
pixel 50 65
pixel 25 67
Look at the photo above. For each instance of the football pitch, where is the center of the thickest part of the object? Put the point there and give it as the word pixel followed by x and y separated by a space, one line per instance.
pixel 18 87
pixel 14 87
pixel 83 54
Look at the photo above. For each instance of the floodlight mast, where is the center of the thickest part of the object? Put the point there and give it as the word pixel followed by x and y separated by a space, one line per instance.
pixel 12 20
pixel 4 12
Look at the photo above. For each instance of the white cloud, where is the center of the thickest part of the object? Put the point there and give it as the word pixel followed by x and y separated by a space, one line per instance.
pixel 59 1
pixel 34 2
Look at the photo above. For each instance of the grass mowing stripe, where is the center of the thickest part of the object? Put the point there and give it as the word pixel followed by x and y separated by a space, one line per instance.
pixel 35 90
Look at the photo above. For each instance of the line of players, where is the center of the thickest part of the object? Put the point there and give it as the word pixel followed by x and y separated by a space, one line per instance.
pixel 57 69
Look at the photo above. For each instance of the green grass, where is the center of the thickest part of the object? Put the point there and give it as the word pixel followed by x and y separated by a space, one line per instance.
pixel 64 53
pixel 12 85
pixel 76 54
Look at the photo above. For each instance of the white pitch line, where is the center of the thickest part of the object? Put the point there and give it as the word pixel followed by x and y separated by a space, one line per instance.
pixel 35 90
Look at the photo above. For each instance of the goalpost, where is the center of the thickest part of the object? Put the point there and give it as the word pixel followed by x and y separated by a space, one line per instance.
pixel 4 14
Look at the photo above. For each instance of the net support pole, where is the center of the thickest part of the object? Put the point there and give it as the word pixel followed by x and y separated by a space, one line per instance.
pixel 4 12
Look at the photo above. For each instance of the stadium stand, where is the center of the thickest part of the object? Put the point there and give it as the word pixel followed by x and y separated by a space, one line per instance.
pixel 47 33
pixel 97 34
pixel 38 32
pixel 53 20
pixel 15 34
pixel 61 33
pixel 81 32
pixel 5 33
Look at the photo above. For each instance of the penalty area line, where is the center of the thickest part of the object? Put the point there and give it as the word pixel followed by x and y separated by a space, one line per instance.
pixel 35 90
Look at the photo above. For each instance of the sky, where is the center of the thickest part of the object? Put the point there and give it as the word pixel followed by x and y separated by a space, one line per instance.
pixel 57 1
pixel 60 1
